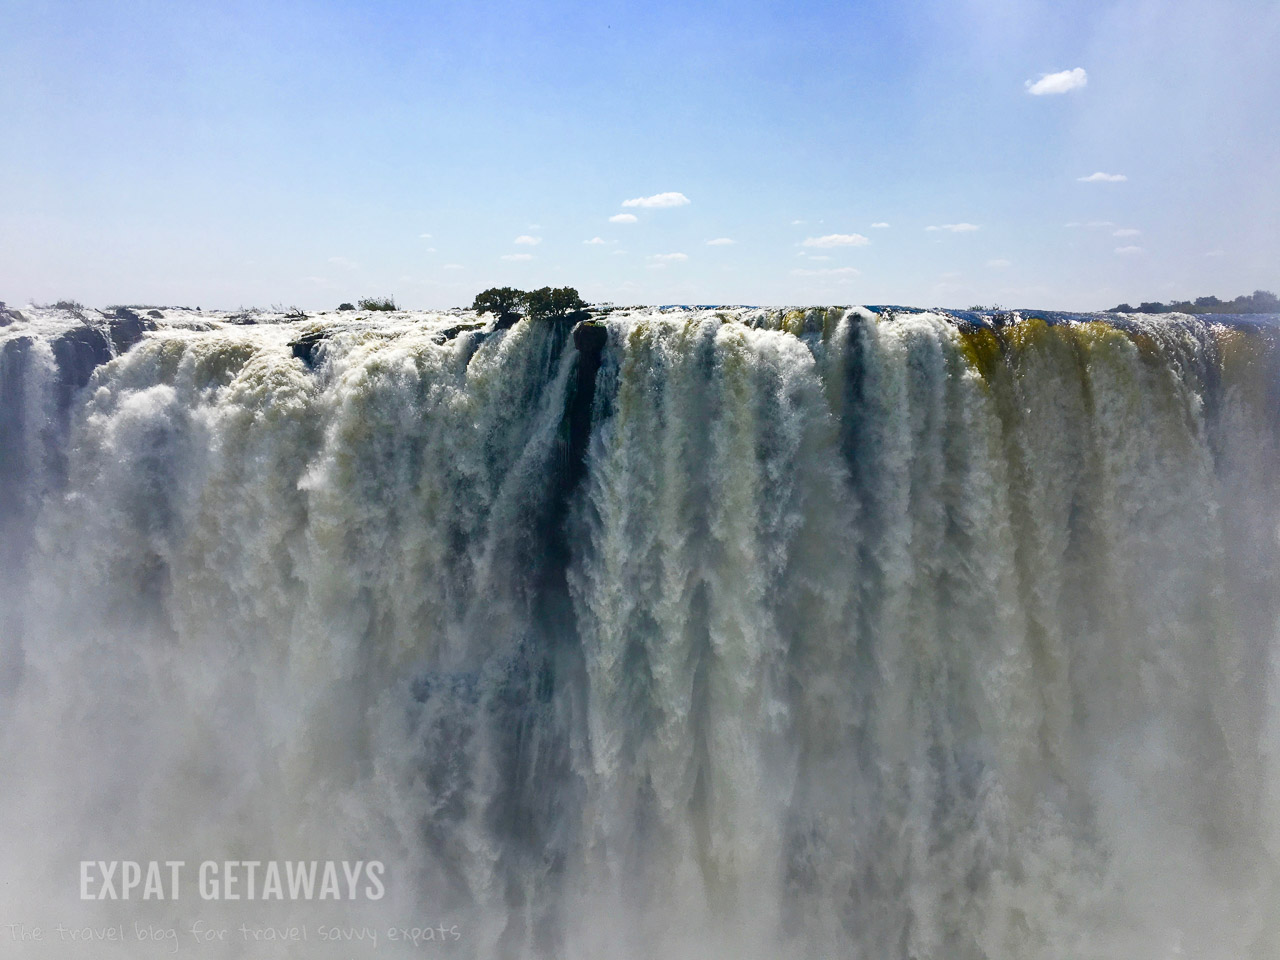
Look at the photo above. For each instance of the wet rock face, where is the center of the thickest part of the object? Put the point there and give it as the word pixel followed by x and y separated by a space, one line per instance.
pixel 590 338
pixel 82 349
pixel 127 328
pixel 307 347
pixel 14 358
pixel 444 336
pixel 78 353
pixel 8 316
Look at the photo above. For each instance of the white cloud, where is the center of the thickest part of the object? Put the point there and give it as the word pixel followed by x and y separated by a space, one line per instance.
pixel 623 218
pixel 1062 82
pixel 528 241
pixel 1125 251
pixel 658 200
pixel 1127 232
pixel 1101 177
pixel 453 266
pixel 956 227
pixel 827 272
pixel 880 226
pixel 721 242
pixel 517 256
pixel 424 236
pixel 797 223
pixel 596 241
pixel 669 257
pixel 838 240
pixel 998 264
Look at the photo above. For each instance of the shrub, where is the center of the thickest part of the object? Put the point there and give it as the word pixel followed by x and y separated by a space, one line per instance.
pixel 346 306
pixel 378 303
pixel 73 307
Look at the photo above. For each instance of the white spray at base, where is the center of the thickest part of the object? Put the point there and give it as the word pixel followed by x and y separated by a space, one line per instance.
pixel 800 634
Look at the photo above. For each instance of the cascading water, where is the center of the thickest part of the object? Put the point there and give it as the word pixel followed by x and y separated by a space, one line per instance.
pixel 684 633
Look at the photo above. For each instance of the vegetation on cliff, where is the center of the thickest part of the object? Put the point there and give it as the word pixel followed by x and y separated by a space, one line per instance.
pixel 546 303
pixel 1260 301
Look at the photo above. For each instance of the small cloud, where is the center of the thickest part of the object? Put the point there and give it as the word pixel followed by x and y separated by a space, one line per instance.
pixel 1062 82
pixel 1073 223
pixel 721 242
pixel 827 272
pixel 453 266
pixel 1099 223
pixel 1126 251
pixel 527 240
pixel 956 227
pixel 596 242
pixel 1127 232
pixel 838 240
pixel 998 264
pixel 658 200
pixel 1101 177
pixel 797 223
pixel 669 257
pixel 623 218
pixel 520 257
pixel 880 226
pixel 424 236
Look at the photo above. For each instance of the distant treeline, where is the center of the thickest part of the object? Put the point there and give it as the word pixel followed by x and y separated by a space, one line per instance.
pixel 1260 301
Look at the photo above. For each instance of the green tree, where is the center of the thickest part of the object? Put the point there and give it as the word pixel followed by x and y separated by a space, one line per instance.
pixel 559 303
pixel 1264 301
pixel 507 303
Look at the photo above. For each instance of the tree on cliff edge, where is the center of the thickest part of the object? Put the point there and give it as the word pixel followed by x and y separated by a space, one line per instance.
pixel 545 303
pixel 560 303
pixel 506 302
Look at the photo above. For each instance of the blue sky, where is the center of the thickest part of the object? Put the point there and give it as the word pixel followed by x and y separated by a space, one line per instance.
pixel 229 154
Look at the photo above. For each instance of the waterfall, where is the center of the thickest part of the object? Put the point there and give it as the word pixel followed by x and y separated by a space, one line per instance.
pixel 684 633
